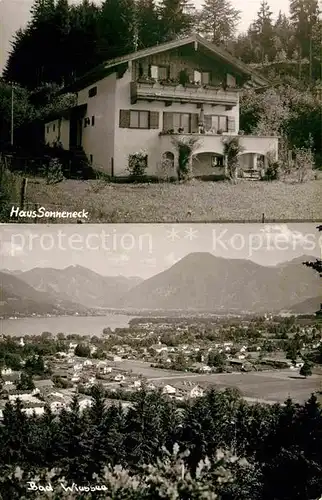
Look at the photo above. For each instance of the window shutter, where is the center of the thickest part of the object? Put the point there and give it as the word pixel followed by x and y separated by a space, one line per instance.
pixel 231 124
pixel 167 121
pixel 154 119
pixel 194 122
pixel 208 122
pixel 124 118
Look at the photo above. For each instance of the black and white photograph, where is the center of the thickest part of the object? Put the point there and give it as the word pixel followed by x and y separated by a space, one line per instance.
pixel 161 361
pixel 160 250
pixel 160 111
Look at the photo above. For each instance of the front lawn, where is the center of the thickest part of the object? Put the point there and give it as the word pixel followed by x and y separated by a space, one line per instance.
pixel 173 202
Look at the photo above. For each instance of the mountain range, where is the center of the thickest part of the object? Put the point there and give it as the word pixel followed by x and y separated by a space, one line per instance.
pixel 17 297
pixel 79 284
pixel 198 282
pixel 201 281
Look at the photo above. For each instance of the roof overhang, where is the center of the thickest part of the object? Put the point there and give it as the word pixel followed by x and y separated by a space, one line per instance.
pixel 68 113
pixel 112 65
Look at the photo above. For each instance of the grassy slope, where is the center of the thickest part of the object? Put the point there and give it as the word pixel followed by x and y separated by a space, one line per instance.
pixel 193 201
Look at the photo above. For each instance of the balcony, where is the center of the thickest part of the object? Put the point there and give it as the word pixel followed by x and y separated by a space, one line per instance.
pixel 189 93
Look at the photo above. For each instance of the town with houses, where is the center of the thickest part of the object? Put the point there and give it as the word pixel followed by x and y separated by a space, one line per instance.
pixel 181 358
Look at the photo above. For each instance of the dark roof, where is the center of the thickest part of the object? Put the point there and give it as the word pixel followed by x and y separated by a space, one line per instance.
pixel 15 392
pixel 65 113
pixel 105 68
pixel 43 383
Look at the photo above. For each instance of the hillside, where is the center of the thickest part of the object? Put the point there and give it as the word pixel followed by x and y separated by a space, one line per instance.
pixel 17 297
pixel 201 281
pixel 79 284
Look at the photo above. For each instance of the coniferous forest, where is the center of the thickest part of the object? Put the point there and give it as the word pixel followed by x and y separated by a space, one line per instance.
pixel 216 447
pixel 62 41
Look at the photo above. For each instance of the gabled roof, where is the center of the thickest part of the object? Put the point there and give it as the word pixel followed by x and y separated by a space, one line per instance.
pixel 105 68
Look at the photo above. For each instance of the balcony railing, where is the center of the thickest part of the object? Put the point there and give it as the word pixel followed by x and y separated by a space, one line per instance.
pixel 169 92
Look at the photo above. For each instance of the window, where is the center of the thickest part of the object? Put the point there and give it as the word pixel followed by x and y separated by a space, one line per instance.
pixel 185 122
pixel 91 159
pixel 217 161
pixel 47 129
pixel 159 72
pixel 231 80
pixel 93 121
pixel 202 77
pixel 139 119
pixel 54 128
pixel 215 123
pixel 183 77
pixel 168 159
pixel 223 123
pixel 182 121
pixel 92 92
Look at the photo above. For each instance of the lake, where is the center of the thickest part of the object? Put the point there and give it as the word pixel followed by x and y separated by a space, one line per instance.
pixel 81 325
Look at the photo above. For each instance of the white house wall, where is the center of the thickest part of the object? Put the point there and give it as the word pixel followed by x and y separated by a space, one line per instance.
pixel 64 133
pixel 212 143
pixel 129 141
pixel 57 131
pixel 98 139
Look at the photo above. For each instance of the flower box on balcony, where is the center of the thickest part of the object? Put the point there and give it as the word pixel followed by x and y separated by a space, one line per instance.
pixel 169 83
pixel 147 79
pixel 167 132
pixel 209 86
pixel 191 85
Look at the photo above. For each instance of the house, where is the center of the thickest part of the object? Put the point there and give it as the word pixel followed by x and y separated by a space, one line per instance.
pixel 196 392
pixel 85 402
pixel 117 358
pixel 10 378
pixel 158 348
pixel 182 88
pixel 168 389
pixel 103 368
pixel 56 406
pixel 205 369
pixel 35 407
pixel 6 371
pixel 44 384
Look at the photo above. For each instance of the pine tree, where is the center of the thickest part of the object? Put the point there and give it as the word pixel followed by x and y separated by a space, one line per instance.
pixel 306 369
pixel 117 29
pixel 61 28
pixel 317 264
pixel 83 39
pixel 148 24
pixel 304 16
pixel 283 35
pixel 263 31
pixel 218 20
pixel 95 435
pixel 176 19
pixel 71 444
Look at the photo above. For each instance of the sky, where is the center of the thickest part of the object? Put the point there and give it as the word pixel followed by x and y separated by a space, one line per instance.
pixel 147 249
pixel 14 14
